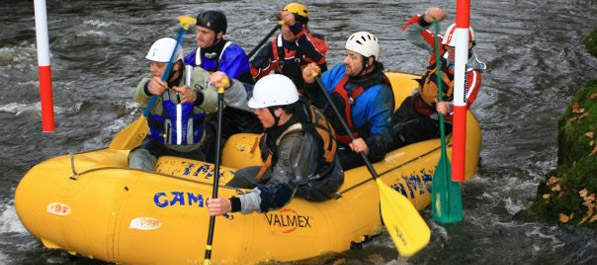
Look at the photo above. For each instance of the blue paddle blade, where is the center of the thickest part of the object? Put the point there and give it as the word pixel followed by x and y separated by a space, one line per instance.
pixel 446 200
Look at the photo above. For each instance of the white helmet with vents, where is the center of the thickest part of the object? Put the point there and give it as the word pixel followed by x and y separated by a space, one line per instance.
pixel 162 49
pixel 364 43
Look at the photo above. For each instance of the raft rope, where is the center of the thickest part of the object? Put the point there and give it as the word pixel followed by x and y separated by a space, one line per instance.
pixel 75 175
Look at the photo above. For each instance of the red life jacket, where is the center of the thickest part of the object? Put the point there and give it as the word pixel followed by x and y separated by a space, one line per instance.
pixel 344 100
pixel 277 48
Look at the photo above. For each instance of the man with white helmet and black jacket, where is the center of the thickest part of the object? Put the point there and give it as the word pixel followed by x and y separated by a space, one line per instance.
pixel 360 90
pixel 298 150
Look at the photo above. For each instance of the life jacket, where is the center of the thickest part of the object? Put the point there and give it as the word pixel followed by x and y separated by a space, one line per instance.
pixel 290 62
pixel 177 124
pixel 199 62
pixel 424 101
pixel 317 126
pixel 290 56
pixel 428 86
pixel 212 64
pixel 344 100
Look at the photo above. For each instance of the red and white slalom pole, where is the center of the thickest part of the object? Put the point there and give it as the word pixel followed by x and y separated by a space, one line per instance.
pixel 459 120
pixel 43 62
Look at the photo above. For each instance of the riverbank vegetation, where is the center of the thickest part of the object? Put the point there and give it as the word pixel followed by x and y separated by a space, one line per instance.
pixel 568 193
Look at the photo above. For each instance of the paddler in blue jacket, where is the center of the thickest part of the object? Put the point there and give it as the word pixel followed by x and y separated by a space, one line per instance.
pixel 361 91
pixel 214 53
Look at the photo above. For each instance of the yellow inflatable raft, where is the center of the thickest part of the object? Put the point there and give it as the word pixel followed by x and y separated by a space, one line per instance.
pixel 91 204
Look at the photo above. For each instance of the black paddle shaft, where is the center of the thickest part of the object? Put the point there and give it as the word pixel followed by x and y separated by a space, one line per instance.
pixel 345 126
pixel 212 219
pixel 254 50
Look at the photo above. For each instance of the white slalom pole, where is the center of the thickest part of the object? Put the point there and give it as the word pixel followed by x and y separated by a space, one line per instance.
pixel 459 118
pixel 43 62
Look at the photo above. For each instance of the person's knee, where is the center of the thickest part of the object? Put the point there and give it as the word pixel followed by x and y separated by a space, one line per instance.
pixel 245 178
pixel 141 158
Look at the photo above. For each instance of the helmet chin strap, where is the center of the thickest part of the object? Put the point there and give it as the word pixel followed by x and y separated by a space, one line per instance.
pixel 272 110
pixel 171 82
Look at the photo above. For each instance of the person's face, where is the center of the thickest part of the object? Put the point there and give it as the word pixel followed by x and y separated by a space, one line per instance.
pixel 353 62
pixel 265 117
pixel 287 33
pixel 206 37
pixel 452 51
pixel 157 68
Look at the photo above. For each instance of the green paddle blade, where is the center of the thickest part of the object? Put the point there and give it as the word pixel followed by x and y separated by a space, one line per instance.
pixel 446 198
pixel 131 136
pixel 407 228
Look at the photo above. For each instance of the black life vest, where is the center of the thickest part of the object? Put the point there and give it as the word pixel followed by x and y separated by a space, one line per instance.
pixel 317 126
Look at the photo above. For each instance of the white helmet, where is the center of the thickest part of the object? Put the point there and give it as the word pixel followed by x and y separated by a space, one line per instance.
pixel 162 49
pixel 449 36
pixel 273 90
pixel 364 43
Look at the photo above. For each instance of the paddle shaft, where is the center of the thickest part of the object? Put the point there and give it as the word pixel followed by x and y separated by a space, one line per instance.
pixel 154 98
pixel 439 89
pixel 271 32
pixel 345 126
pixel 212 219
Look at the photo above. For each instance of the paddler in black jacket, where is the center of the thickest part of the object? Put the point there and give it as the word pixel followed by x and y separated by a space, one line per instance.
pixel 298 150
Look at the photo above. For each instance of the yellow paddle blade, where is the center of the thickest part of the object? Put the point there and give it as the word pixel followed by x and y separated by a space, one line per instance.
pixel 186 21
pixel 131 136
pixel 405 225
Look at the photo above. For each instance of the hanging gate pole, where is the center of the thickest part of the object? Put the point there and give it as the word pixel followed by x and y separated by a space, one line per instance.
pixel 461 58
pixel 43 62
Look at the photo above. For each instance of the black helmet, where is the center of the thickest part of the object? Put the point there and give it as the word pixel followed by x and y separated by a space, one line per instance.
pixel 212 19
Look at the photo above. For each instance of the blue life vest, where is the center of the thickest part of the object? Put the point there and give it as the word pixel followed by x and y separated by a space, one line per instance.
pixel 177 124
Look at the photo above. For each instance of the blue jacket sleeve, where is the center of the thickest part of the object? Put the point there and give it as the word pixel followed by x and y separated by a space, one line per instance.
pixel 329 79
pixel 234 62
pixel 332 77
pixel 379 111
pixel 189 59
